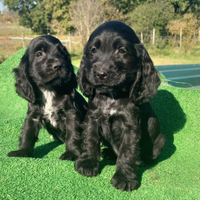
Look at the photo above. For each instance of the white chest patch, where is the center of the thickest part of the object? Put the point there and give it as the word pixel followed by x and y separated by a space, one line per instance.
pixel 112 111
pixel 50 111
pixel 108 108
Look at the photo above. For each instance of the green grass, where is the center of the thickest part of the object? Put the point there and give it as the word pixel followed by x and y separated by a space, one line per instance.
pixel 76 62
pixel 173 56
pixel 174 176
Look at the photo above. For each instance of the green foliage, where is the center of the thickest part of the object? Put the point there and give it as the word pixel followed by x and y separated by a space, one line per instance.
pixel 184 6
pixel 41 18
pixel 147 16
pixel 23 8
pixel 41 15
pixel 188 24
pixel 179 6
pixel 124 6
pixel 60 15
pixel 83 16
pixel 86 15
pixel 19 5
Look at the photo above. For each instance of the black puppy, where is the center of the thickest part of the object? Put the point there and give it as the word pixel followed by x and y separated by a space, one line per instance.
pixel 45 78
pixel 119 78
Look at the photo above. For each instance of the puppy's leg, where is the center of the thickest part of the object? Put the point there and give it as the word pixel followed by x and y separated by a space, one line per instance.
pixel 152 141
pixel 72 137
pixel 28 137
pixel 158 145
pixel 88 163
pixel 108 152
pixel 125 178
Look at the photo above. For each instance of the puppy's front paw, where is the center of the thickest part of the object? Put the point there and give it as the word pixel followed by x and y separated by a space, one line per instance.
pixel 123 183
pixel 87 167
pixel 20 153
pixel 68 155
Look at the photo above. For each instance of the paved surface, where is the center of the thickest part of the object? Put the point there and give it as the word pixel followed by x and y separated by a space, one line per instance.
pixel 186 76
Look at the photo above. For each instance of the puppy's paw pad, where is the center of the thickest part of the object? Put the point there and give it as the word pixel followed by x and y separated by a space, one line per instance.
pixel 19 153
pixel 89 167
pixel 124 184
pixel 68 156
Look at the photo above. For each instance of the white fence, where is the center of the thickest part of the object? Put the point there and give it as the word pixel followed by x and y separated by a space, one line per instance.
pixel 23 38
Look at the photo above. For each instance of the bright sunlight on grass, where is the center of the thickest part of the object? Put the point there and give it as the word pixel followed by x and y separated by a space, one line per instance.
pixel 175 175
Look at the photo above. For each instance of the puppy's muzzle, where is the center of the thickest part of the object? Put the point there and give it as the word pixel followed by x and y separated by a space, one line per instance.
pixel 102 75
pixel 56 65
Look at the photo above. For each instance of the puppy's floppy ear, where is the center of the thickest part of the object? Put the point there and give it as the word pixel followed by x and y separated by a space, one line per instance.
pixel 73 81
pixel 147 80
pixel 83 82
pixel 23 85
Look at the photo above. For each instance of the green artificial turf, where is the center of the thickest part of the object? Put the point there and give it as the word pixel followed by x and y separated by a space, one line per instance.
pixel 174 176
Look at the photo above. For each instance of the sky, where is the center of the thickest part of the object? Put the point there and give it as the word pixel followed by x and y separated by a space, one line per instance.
pixel 1 6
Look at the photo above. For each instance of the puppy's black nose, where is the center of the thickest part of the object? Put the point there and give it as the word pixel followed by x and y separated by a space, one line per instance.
pixel 56 66
pixel 101 75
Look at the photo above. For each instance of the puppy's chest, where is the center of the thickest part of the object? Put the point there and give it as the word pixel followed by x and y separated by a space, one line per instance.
pixel 50 111
pixel 108 107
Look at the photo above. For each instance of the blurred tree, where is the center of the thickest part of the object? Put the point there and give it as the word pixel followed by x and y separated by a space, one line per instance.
pixel 182 6
pixel 42 15
pixel 60 15
pixel 189 25
pixel 41 18
pixel 86 15
pixel 147 16
pixel 124 6
pixel 112 12
pixel 9 16
pixel 23 7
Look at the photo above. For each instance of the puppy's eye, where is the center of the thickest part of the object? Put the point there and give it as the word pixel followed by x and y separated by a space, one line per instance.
pixel 121 51
pixel 39 53
pixel 94 50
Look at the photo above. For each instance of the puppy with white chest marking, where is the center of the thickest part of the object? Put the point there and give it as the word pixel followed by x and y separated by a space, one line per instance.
pixel 119 78
pixel 46 79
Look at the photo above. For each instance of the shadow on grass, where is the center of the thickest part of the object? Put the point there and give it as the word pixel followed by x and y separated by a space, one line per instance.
pixel 41 151
pixel 172 119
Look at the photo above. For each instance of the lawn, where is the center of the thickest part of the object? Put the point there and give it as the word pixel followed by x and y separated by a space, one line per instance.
pixel 174 176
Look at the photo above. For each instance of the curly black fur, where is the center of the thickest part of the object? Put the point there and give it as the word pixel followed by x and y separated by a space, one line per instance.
pixel 45 78
pixel 119 78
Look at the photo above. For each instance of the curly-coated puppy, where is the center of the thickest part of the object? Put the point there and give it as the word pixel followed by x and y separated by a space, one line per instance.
pixel 119 78
pixel 46 79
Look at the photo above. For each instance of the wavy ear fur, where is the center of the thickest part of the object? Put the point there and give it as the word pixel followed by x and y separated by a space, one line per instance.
pixel 147 80
pixel 83 82
pixel 23 86
pixel 73 81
